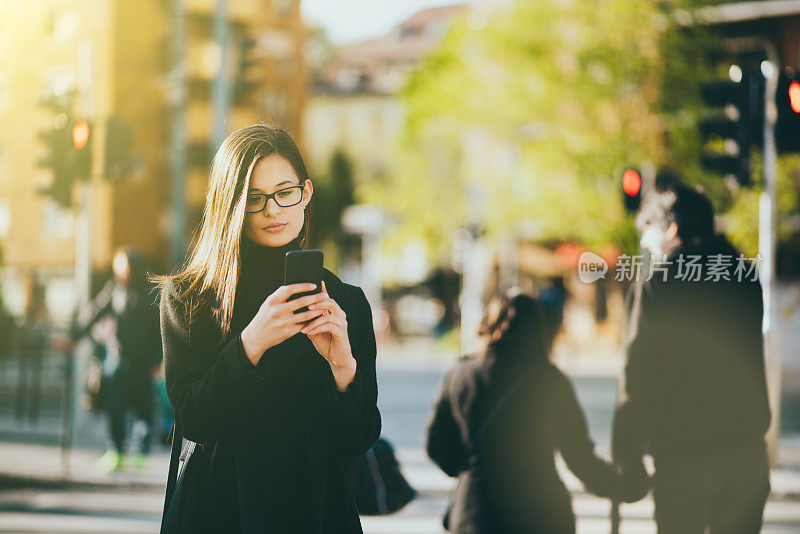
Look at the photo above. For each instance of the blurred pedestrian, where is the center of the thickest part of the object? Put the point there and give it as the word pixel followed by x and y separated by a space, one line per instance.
pixel 275 401
pixel 122 317
pixel 32 344
pixel 554 297
pixel 695 393
pixel 444 284
pixel 499 419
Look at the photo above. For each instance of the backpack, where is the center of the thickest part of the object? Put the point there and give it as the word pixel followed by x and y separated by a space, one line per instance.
pixel 378 485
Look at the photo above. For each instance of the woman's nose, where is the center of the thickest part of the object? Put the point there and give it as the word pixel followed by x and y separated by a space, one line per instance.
pixel 272 208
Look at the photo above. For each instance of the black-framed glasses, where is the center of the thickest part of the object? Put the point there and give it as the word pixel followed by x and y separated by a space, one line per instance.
pixel 284 198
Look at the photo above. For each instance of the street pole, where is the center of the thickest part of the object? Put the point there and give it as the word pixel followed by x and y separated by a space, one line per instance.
pixel 367 221
pixel 474 269
pixel 766 246
pixel 220 91
pixel 83 266
pixel 177 97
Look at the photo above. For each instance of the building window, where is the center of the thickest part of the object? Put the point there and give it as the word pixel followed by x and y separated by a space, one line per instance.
pixel 62 24
pixel 276 43
pixel 59 79
pixel 5 218
pixel 13 290
pixel 57 222
pixel 285 66
pixel 283 7
pixel 60 295
pixel 348 78
pixel 276 105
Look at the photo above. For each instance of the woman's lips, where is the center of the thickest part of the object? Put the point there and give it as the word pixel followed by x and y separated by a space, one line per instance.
pixel 274 229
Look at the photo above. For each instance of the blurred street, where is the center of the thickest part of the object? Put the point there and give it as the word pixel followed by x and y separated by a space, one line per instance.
pixel 453 160
pixel 35 496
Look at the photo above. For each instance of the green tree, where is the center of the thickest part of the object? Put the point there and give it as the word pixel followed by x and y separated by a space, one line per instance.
pixel 525 122
pixel 331 196
pixel 530 118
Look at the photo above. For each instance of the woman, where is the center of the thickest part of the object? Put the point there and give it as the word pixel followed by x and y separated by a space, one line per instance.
pixel 123 320
pixel 498 421
pixel 282 399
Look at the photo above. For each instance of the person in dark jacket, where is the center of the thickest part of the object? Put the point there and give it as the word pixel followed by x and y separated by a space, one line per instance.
pixel 123 320
pixel 508 482
pixel 283 399
pixel 695 394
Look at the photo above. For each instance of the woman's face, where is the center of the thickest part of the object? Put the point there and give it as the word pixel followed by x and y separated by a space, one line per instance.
pixel 121 267
pixel 275 226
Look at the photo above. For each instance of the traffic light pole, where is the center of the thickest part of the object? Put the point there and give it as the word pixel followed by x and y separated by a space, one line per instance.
pixel 220 91
pixel 177 97
pixel 766 246
pixel 83 261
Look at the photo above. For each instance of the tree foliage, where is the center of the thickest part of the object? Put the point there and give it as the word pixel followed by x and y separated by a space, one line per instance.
pixel 526 123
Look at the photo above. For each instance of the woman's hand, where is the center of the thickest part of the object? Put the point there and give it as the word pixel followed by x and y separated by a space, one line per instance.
pixel 328 333
pixel 276 321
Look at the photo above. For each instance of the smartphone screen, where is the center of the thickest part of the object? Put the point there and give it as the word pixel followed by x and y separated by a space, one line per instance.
pixel 303 266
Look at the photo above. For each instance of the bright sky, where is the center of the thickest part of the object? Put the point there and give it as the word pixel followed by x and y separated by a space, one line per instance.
pixel 349 21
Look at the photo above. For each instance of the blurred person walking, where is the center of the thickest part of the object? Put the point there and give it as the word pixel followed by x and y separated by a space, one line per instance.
pixel 498 421
pixel 273 402
pixel 32 341
pixel 123 320
pixel 695 394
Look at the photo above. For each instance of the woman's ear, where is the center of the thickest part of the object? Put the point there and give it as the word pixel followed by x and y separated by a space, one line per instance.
pixel 308 192
pixel 671 232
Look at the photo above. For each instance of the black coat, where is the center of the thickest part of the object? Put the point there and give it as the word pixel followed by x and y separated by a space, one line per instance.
pixel 511 483
pixel 136 319
pixel 694 380
pixel 282 430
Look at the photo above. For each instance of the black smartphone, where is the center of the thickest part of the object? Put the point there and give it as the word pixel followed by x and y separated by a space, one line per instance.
pixel 303 266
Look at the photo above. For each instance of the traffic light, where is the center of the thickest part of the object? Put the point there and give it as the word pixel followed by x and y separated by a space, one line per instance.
pixel 68 145
pixel 57 141
pixel 81 155
pixel 631 190
pixel 787 100
pixel 736 125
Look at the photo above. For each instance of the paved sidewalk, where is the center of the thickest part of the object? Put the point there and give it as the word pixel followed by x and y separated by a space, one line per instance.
pixel 26 464
pixel 40 491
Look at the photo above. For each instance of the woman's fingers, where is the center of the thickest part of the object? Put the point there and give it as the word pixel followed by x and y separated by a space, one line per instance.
pixel 331 327
pixel 284 292
pixel 337 309
pixel 324 319
pixel 307 316
pixel 305 300
pixel 331 305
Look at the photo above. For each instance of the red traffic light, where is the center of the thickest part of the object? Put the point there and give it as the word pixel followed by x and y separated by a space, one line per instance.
pixel 631 182
pixel 794 96
pixel 80 134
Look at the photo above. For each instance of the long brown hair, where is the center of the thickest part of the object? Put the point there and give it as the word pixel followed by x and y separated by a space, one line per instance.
pixel 209 277
pixel 517 326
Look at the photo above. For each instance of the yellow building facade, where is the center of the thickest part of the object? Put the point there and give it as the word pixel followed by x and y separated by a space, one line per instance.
pixel 117 56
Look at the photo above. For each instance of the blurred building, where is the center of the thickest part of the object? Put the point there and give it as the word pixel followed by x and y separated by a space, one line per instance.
pixel 117 55
pixel 355 106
